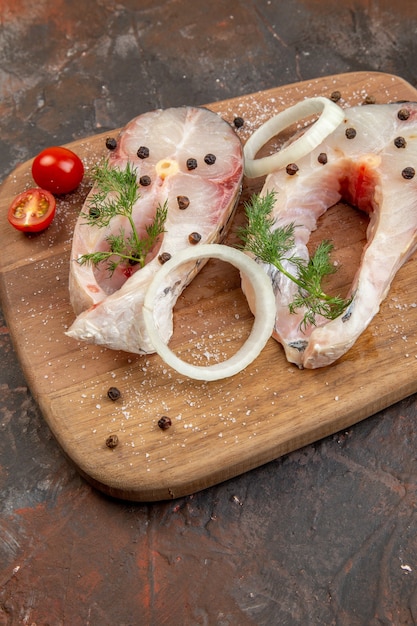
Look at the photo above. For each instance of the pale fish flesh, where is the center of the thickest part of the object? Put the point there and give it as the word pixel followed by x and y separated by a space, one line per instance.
pixel 370 162
pixel 201 194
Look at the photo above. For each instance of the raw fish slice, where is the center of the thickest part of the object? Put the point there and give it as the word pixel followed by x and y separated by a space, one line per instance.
pixel 368 171
pixel 109 310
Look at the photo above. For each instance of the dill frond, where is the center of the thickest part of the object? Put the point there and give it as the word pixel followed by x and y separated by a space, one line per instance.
pixel 116 192
pixel 274 246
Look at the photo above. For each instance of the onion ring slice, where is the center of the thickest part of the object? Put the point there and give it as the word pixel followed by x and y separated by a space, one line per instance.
pixel 263 305
pixel 330 118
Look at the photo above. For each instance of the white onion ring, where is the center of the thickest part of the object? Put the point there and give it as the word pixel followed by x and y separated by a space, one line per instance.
pixel 330 118
pixel 264 311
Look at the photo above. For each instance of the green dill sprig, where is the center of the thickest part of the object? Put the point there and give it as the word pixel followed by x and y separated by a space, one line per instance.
pixel 274 246
pixel 116 193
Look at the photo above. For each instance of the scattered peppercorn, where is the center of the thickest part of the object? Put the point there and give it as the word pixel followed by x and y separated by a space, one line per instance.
pixel 113 393
pixel 191 164
pixel 164 422
pixel 209 159
pixel 94 212
pixel 164 257
pixel 145 181
pixel 350 133
pixel 369 100
pixel 408 173
pixel 400 142
pixel 111 143
pixel 291 169
pixel 335 96
pixel 322 158
pixel 194 238
pixel 112 441
pixel 183 202
pixel 238 122
pixel 143 152
pixel 403 114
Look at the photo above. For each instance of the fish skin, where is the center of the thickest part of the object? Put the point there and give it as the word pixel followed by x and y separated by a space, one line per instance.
pixel 109 312
pixel 366 172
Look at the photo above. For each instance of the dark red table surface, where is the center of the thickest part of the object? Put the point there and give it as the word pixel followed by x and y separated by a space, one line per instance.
pixel 323 536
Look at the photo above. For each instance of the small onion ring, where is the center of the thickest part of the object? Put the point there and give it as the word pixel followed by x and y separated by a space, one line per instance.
pixel 264 306
pixel 330 118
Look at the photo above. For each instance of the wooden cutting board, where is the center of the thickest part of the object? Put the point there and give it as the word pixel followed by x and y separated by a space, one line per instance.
pixel 219 429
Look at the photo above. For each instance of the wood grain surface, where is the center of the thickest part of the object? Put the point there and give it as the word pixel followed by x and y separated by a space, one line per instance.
pixel 219 429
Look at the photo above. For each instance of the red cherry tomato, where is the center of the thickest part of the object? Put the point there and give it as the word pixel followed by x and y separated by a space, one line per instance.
pixel 32 210
pixel 58 170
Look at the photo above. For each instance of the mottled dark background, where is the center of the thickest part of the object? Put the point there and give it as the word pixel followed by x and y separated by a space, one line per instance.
pixel 325 536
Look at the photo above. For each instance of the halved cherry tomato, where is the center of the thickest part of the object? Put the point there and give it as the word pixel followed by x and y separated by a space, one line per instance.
pixel 58 170
pixel 32 210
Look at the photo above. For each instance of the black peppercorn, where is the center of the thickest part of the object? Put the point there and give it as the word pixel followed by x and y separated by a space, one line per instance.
pixel 335 96
pixel 143 152
pixel 111 143
pixel 322 158
pixel 145 181
pixel 350 133
pixel 210 159
pixel 94 212
pixel 291 169
pixel 369 100
pixel 113 393
pixel 400 142
pixel 164 422
pixel 403 114
pixel 112 441
pixel 164 257
pixel 194 238
pixel 238 122
pixel 408 173
pixel 191 164
pixel 183 202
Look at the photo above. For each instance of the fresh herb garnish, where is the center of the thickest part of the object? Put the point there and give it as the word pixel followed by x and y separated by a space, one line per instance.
pixel 274 246
pixel 117 192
